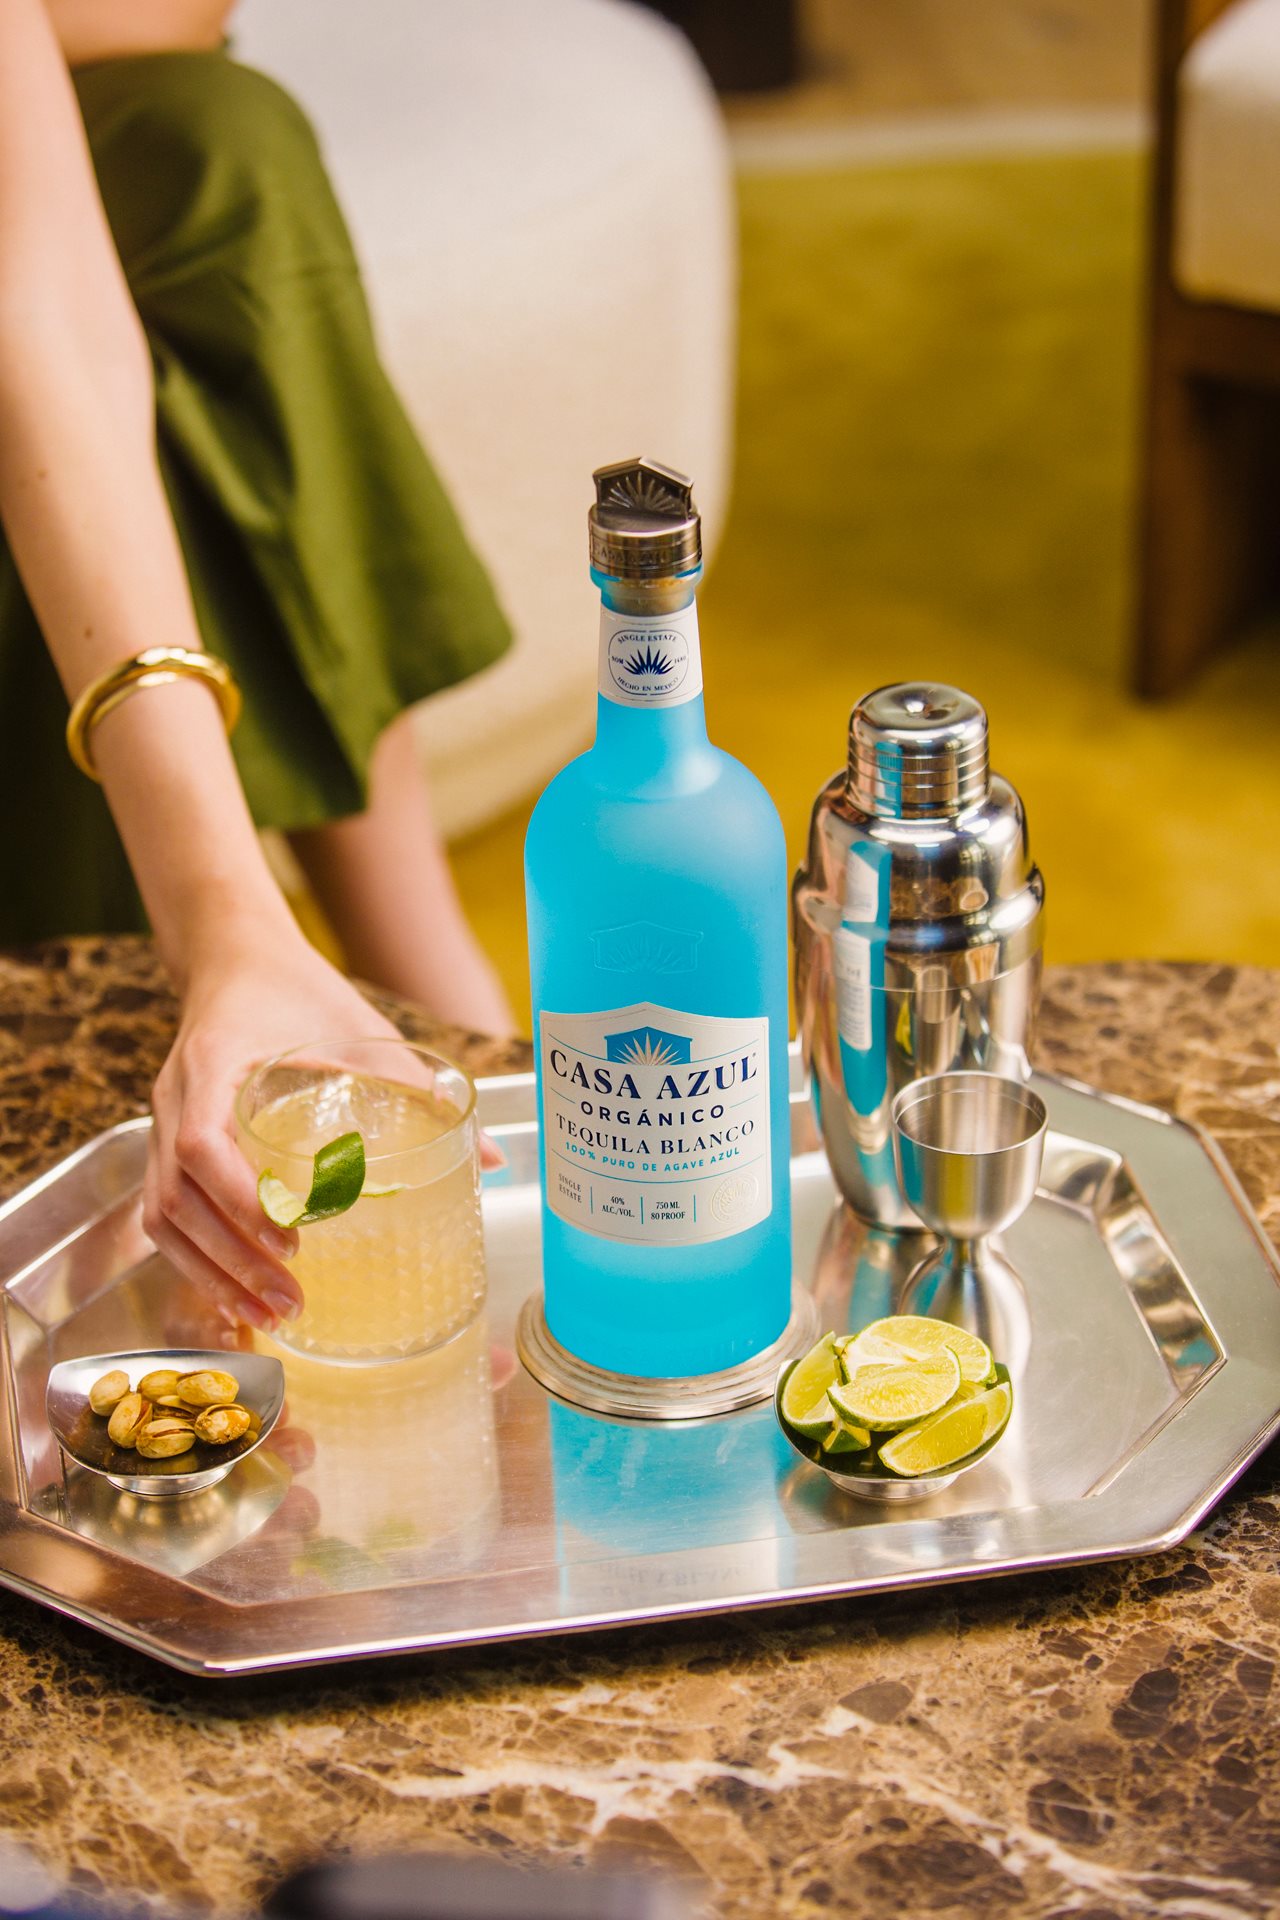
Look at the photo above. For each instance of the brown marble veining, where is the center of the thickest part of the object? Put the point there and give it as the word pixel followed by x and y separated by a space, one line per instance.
pixel 1082 1745
pixel 85 1026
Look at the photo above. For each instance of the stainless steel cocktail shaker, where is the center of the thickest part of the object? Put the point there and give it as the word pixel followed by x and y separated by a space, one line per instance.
pixel 918 921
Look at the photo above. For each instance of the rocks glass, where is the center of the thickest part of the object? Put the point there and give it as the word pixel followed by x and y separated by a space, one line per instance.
pixel 401 1271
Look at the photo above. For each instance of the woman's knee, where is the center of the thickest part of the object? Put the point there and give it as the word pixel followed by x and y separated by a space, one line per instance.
pixel 194 148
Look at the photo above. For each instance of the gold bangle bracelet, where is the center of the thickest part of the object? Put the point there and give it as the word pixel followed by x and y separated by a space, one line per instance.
pixel 157 667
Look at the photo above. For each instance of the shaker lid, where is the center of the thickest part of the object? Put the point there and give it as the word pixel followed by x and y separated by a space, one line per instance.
pixel 644 525
pixel 917 750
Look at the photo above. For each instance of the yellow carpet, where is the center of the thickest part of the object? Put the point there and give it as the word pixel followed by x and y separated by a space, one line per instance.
pixel 934 477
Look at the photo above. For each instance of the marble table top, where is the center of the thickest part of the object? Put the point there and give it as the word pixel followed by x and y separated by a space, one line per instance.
pixel 1094 1743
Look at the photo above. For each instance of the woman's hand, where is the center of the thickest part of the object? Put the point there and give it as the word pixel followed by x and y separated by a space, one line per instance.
pixel 252 998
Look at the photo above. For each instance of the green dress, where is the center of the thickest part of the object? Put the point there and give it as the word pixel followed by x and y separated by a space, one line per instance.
pixel 327 564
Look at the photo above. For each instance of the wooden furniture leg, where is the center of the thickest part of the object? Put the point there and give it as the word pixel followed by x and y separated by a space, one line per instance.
pixel 1211 535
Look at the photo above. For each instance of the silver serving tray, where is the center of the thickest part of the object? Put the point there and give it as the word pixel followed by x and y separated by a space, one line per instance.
pixel 449 1501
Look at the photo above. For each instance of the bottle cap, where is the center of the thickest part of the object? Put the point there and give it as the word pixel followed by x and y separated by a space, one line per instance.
pixel 917 750
pixel 644 525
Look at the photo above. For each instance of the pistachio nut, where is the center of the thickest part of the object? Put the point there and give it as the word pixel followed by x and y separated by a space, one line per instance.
pixel 164 1380
pixel 209 1388
pixel 221 1425
pixel 170 1400
pixel 107 1392
pixel 128 1418
pixel 161 1439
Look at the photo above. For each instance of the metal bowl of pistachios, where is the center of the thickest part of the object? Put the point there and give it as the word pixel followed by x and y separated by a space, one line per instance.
pixel 163 1423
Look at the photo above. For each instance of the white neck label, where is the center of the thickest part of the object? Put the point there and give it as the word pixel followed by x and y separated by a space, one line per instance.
pixel 650 660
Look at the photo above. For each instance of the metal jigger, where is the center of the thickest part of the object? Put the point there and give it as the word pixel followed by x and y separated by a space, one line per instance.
pixel 968 1148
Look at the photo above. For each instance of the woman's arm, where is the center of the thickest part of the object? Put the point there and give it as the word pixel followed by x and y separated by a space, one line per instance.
pixel 83 504
pixel 107 29
pixel 85 512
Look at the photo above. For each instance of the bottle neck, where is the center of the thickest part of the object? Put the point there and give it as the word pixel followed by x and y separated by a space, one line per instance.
pixel 650 707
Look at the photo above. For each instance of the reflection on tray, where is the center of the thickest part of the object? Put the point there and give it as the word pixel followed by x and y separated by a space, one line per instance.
pixel 397 1466
pixel 627 1486
pixel 1097 1183
pixel 179 1536
pixel 814 1505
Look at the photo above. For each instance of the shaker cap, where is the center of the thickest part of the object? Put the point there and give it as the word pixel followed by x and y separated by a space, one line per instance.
pixel 644 525
pixel 917 750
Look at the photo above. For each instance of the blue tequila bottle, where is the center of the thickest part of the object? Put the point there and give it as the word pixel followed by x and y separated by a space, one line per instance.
pixel 657 898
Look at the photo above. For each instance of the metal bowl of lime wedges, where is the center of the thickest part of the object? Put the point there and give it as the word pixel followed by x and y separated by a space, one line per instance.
pixel 897 1411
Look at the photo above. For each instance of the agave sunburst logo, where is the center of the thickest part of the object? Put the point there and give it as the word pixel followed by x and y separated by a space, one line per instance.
pixel 644 943
pixel 666 493
pixel 649 1047
pixel 652 660
pixel 647 665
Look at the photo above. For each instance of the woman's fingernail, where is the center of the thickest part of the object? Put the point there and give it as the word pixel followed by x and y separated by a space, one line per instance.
pixel 284 1305
pixel 275 1242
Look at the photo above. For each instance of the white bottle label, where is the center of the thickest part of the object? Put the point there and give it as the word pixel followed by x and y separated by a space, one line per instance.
pixel 650 660
pixel 861 889
pixel 853 987
pixel 656 1123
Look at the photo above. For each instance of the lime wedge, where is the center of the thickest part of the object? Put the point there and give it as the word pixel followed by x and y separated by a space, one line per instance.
pixel 916 1337
pixel 950 1436
pixel 842 1439
pixel 885 1396
pixel 281 1204
pixel 862 1350
pixel 804 1404
pixel 337 1181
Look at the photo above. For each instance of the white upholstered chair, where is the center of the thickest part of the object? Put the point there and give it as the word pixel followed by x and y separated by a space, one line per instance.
pixel 1211 474
pixel 539 193
pixel 1227 219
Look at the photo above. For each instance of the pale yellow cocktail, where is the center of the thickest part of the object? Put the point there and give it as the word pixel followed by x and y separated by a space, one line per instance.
pixel 401 1271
